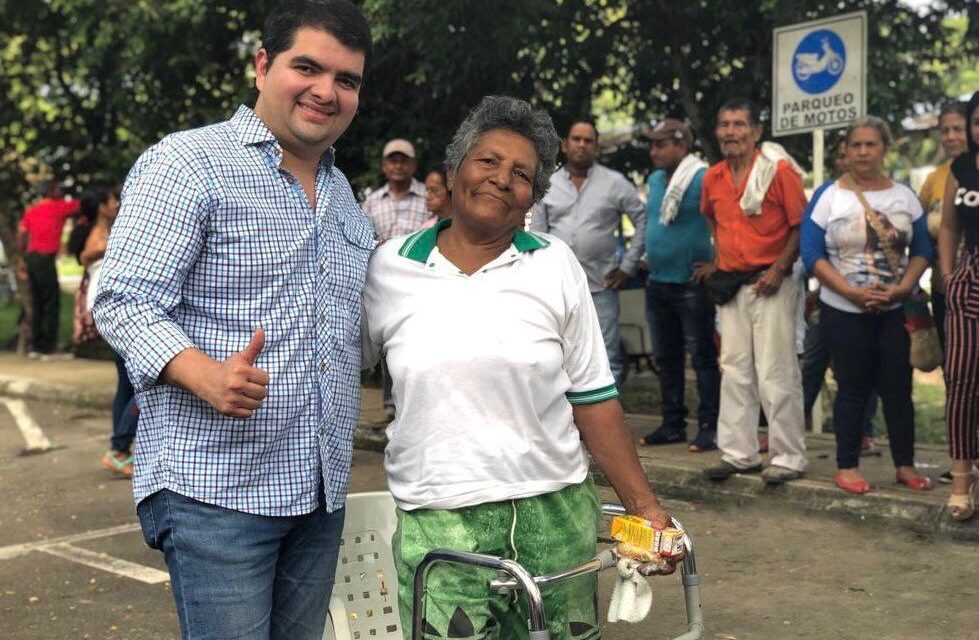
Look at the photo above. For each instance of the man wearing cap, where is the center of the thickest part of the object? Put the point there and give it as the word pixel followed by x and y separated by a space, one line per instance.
pixel 398 208
pixel 584 208
pixel 678 245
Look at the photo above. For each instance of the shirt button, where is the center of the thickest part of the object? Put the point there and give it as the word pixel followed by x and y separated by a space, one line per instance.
pixel 322 367
pixel 322 319
pixel 322 268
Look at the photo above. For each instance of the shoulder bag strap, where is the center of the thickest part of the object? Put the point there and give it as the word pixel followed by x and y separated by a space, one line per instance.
pixel 873 220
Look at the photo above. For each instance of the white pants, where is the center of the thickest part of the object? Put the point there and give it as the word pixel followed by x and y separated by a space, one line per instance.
pixel 759 370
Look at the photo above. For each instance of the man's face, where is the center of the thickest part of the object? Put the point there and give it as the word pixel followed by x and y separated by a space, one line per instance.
pixel 735 133
pixel 581 146
pixel 667 154
pixel 310 92
pixel 398 168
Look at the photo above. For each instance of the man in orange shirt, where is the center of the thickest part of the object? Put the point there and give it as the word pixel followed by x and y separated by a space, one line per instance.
pixel 753 201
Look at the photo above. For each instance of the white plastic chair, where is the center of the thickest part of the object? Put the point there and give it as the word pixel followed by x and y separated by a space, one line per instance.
pixel 364 605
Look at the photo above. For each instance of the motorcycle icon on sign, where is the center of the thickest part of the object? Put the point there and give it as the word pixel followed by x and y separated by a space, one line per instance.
pixel 807 64
pixel 818 61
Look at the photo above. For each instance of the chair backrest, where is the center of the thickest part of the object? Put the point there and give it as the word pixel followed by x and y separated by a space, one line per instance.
pixel 366 580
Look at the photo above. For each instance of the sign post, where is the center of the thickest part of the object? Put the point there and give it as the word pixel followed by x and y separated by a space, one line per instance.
pixel 819 79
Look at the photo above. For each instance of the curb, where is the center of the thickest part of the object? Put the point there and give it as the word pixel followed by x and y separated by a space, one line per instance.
pixel 922 516
pixel 13 387
pixel 685 482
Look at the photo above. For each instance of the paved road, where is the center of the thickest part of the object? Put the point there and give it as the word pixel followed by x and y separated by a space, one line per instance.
pixel 73 564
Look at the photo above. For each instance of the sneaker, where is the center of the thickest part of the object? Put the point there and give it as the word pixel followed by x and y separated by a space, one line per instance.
pixel 775 474
pixel 706 440
pixel 55 356
pixel 665 435
pixel 724 470
pixel 946 478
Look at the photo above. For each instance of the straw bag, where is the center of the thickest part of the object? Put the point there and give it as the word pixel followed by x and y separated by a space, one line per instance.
pixel 926 350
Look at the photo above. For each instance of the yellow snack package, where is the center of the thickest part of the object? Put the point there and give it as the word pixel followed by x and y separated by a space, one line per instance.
pixel 639 533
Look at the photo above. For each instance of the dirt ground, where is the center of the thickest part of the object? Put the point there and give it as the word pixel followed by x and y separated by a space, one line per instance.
pixel 768 573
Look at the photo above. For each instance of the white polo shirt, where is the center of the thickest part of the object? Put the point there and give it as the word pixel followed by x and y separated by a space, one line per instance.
pixel 485 369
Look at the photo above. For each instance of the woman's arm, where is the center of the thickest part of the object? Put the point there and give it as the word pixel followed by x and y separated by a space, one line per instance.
pixel 865 298
pixel 949 233
pixel 608 439
pixel 94 246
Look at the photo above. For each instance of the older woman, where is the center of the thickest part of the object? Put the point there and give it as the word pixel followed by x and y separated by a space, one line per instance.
pixel 867 243
pixel 500 376
pixel 952 133
pixel 960 219
pixel 437 194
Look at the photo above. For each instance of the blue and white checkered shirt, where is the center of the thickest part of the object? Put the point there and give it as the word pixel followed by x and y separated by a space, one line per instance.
pixel 214 240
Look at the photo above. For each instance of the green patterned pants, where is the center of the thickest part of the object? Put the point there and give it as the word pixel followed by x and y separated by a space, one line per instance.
pixel 551 532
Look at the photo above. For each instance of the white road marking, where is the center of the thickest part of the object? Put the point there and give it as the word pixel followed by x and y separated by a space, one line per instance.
pixel 105 562
pixel 62 547
pixel 17 550
pixel 35 438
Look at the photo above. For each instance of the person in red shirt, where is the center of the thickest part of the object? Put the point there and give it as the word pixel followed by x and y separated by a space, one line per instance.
pixel 39 237
pixel 753 201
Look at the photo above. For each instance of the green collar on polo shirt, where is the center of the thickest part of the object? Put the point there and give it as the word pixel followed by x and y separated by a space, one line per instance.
pixel 418 246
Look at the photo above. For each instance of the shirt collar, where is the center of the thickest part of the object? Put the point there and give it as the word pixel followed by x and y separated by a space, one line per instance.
pixel 415 188
pixel 419 245
pixel 252 131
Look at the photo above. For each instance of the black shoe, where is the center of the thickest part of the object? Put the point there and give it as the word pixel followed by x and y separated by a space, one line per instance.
pixel 706 440
pixel 945 478
pixel 724 470
pixel 665 435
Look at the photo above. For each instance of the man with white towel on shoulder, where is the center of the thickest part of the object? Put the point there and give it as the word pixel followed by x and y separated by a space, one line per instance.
pixel 753 201
pixel 681 317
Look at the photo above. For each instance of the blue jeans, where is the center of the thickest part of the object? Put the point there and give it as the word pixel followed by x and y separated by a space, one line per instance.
pixel 239 575
pixel 870 351
pixel 680 314
pixel 607 307
pixel 124 411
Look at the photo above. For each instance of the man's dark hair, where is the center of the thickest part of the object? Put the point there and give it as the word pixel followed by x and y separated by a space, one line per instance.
pixel 743 104
pixel 584 120
pixel 340 18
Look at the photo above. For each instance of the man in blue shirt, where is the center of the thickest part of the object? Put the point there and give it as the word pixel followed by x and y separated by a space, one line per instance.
pixel 232 287
pixel 679 313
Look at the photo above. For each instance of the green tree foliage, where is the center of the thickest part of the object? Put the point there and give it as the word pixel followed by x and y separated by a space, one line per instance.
pixel 86 85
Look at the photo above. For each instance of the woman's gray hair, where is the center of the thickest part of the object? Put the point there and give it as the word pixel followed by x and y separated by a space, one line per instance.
pixel 512 114
pixel 873 122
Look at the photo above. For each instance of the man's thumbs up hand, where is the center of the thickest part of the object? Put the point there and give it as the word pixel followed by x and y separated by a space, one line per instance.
pixel 254 346
pixel 237 387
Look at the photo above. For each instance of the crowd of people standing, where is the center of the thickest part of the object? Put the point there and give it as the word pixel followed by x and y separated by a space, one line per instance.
pixel 243 286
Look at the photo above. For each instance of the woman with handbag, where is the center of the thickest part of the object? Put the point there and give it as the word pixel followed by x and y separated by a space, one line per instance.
pixel 960 219
pixel 867 243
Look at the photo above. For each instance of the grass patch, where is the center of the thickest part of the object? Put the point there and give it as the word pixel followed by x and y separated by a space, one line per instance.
pixel 10 314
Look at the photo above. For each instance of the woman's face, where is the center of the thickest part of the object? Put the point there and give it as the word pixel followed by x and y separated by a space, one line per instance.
pixel 110 208
pixel 974 126
pixel 951 131
pixel 436 195
pixel 865 151
pixel 493 188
